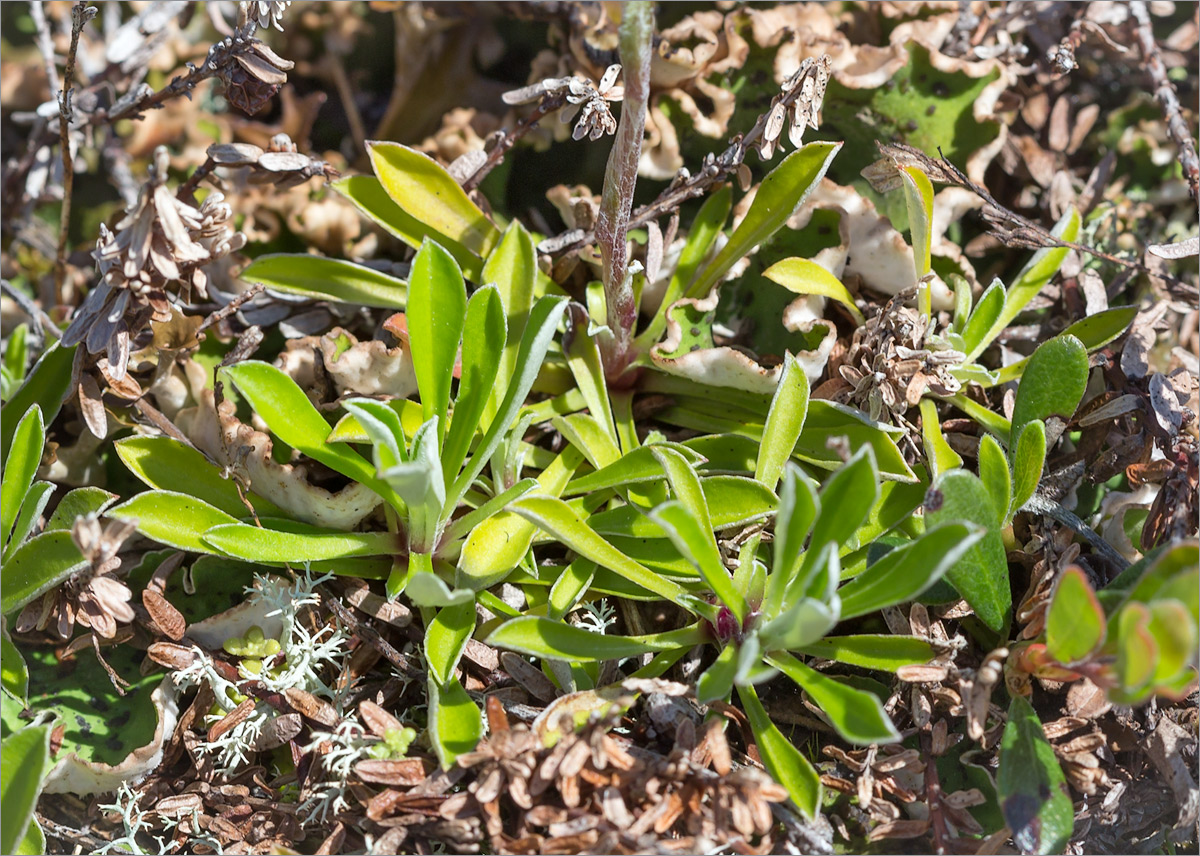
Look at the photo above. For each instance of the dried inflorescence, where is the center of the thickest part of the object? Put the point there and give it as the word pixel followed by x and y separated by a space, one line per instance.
pixel 161 242
pixel 93 598
pixel 281 164
pixel 583 98
pixel 266 13
pixel 893 361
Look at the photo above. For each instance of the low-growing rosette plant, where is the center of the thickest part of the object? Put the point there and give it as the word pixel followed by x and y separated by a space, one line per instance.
pixel 774 604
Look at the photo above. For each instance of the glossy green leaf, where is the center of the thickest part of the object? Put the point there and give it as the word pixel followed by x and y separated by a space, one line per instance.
pixel 845 501
pixel 977 334
pixel 1053 382
pixel 175 519
pixel 35 501
pixel 906 571
pixel 25 757
pixel 455 724
pixel 918 198
pixel 535 341
pixel 784 188
pixel 797 510
pixel 496 545
pixel 941 457
pixel 20 467
pixel 804 276
pixel 437 305
pixel 164 463
pixel 383 429
pixel 1174 632
pixel 804 621
pixel 1033 791
pixel 1028 459
pixel 857 715
pixel 686 487
pixel 782 760
pixel 423 188
pixel 993 472
pixel 47 386
pixel 981 574
pixel 14 674
pixel 320 278
pixel 78 503
pixel 569 588
pixel 36 566
pixel 292 417
pixel 785 421
pixel 483 335
pixel 16 352
pixel 494 505
pixel 512 268
pixel 1095 331
pixel 257 544
pixel 716 682
pixel 1075 621
pixel 559 520
pixel 635 467
pixel 733 501
pixel 695 541
pixel 33 842
pixel 446 637
pixel 556 640
pixel 829 419
pixel 884 652
pixel 1136 649
pixel 425 588
pixel 368 195
pixel 582 351
pixel 598 444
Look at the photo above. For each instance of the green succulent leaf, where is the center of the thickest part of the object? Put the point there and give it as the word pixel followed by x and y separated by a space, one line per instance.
pixel 918 198
pixel 455 724
pixel 695 541
pixel 1032 789
pixel 26 759
pixel 164 462
pixel 785 421
pixel 798 506
pixel 79 503
pixel 716 683
pixel 542 637
pixel 46 387
pixel 175 519
pixel 781 191
pixel 423 189
pixel 14 674
pixel 569 588
pixel 782 760
pixel 635 467
pixel 483 335
pixel 319 278
pixel 857 715
pixel 983 319
pixel 37 566
pixel 512 268
pixel 446 637
pixel 1053 383
pixel 941 457
pixel 905 572
pixel 1095 331
pixel 804 276
pixel 259 544
pixel 884 652
pixel 993 472
pixel 20 467
pixel 35 501
pixel 981 573
pixel 437 305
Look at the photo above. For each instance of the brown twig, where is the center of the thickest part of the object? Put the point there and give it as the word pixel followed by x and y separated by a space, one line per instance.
pixel 76 837
pixel 81 13
pixel 190 184
pixel 495 156
pixel 368 634
pixel 1164 92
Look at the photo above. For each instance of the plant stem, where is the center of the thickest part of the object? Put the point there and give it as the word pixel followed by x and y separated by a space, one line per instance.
pixel 80 15
pixel 620 178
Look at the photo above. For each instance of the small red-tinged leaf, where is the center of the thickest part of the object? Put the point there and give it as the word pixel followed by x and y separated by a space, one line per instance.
pixel 1075 622
pixel 1137 652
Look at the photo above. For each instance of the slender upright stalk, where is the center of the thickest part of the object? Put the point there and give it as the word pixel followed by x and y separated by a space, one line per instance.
pixel 620 178
pixel 81 13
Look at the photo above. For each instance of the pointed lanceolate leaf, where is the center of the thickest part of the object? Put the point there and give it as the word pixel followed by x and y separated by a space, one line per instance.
pixel 25 757
pixel 695 541
pixel 918 198
pixel 542 637
pixel 785 421
pixel 983 318
pixel 455 724
pixel 857 715
pixel 1028 459
pixel 1033 791
pixel 907 571
pixel 994 473
pixel 423 189
pixel 797 510
pixel 437 305
pixel 446 638
pixel 24 457
pixel 782 760
pixel 175 519
pixel 259 544
pixel 716 683
pixel 884 652
pixel 319 278
pixel 781 191
pixel 981 574
pixel 483 337
pixel 804 276
pixel 512 268
pixel 37 566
